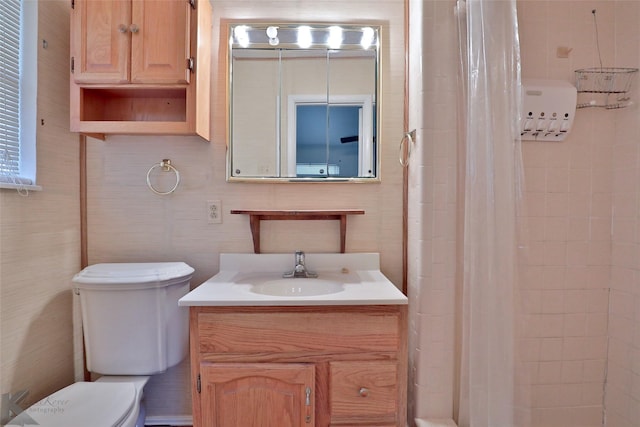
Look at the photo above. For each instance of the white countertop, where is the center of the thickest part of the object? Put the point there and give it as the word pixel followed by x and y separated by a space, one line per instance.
pixel 360 275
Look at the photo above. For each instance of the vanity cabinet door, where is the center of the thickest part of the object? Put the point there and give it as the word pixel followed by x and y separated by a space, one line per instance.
pixel 257 394
pixel 363 392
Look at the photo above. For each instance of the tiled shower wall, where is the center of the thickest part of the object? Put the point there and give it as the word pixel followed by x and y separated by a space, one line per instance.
pixel 575 190
pixel 432 207
pixel 568 195
pixel 623 380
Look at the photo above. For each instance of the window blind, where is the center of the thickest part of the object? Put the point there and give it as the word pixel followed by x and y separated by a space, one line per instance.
pixel 9 89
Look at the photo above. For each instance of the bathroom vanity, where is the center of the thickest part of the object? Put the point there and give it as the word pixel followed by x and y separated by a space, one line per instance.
pixel 266 349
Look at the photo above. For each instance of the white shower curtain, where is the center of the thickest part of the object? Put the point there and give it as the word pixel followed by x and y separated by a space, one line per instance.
pixel 489 112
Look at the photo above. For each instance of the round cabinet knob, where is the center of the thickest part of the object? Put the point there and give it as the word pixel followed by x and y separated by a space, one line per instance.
pixel 122 28
pixel 364 392
pixel 134 28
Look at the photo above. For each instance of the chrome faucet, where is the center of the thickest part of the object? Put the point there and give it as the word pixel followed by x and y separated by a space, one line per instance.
pixel 300 270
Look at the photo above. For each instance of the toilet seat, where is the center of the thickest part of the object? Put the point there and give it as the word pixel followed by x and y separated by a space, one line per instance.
pixel 96 404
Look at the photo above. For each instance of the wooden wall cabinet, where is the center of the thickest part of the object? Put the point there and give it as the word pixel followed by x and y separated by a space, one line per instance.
pixel 299 366
pixel 140 67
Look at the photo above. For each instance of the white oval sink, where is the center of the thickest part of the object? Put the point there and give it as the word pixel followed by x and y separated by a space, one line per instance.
pixel 297 287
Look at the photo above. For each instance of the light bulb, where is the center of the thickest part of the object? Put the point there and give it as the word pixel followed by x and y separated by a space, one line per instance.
pixel 272 32
pixel 304 36
pixel 335 37
pixel 241 33
pixel 367 37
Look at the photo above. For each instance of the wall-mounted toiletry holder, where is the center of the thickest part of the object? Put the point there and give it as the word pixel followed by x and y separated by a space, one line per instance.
pixel 607 87
pixel 548 109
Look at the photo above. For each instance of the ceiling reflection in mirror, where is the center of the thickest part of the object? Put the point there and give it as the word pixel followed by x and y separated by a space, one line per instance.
pixel 303 103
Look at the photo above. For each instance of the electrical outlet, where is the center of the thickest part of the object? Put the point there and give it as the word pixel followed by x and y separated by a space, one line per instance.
pixel 214 211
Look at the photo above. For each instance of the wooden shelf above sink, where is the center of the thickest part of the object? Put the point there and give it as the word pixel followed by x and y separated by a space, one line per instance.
pixel 255 216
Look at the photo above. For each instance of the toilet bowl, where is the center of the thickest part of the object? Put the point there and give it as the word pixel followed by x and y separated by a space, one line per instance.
pixel 133 328
pixel 108 402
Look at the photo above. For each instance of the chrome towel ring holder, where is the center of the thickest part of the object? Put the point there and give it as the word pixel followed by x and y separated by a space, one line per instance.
pixel 166 166
pixel 405 156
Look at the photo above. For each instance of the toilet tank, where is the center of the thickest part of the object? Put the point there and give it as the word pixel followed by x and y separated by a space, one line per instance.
pixel 131 320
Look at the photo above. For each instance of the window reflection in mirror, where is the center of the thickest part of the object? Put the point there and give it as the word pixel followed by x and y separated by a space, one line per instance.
pixel 303 113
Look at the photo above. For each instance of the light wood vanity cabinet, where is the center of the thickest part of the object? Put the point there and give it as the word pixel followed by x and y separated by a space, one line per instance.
pixel 299 366
pixel 137 66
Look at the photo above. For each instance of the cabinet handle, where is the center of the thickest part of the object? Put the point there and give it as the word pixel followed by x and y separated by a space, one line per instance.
pixel 307 402
pixel 363 392
pixel 122 28
pixel 134 28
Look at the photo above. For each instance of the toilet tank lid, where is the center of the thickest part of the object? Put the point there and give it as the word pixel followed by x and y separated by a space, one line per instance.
pixel 145 273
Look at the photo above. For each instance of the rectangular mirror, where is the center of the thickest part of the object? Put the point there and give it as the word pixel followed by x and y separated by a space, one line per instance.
pixel 303 103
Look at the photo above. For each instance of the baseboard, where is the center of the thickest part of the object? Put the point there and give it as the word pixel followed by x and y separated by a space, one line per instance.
pixel 178 420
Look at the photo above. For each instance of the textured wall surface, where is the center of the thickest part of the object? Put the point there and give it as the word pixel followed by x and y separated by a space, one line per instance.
pixel 40 234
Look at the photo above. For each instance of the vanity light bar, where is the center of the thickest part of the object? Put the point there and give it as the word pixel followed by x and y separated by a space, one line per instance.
pixel 303 36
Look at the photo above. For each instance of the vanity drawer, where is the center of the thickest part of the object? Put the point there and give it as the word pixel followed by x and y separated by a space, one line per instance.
pixel 260 331
pixel 363 391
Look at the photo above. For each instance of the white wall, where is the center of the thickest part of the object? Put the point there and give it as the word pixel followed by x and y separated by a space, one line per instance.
pixel 623 380
pixel 432 208
pixel 568 191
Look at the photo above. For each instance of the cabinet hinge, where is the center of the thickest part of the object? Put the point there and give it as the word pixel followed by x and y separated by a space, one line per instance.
pixel 191 64
pixel 192 3
pixel 73 65
pixel 199 384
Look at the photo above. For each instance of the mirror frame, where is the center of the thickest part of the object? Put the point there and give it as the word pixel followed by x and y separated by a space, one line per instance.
pixel 376 132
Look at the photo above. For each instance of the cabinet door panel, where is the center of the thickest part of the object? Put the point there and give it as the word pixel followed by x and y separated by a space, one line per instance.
pixel 100 41
pixel 257 395
pixel 160 46
pixel 363 391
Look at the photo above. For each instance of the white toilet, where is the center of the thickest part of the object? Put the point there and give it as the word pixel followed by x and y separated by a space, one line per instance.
pixel 133 328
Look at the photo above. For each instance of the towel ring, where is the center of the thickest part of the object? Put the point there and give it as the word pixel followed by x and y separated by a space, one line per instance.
pixel 410 137
pixel 166 166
